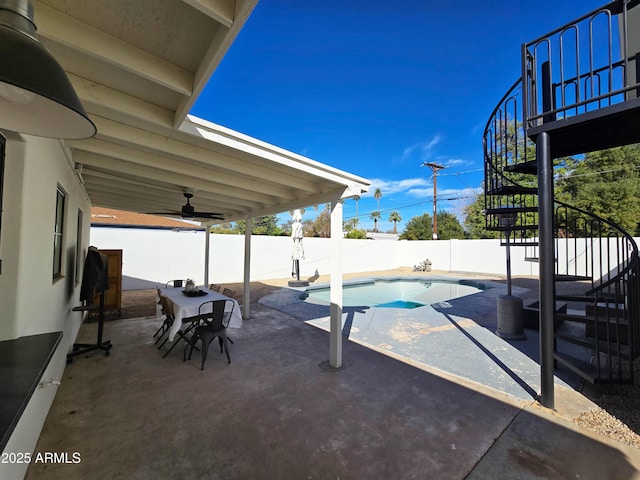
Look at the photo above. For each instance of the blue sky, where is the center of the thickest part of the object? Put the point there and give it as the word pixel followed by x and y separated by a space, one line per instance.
pixel 379 87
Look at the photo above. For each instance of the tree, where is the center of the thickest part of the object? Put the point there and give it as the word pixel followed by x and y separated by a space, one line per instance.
pixel 350 224
pixel 449 227
pixel 264 225
pixel 356 233
pixel 418 228
pixel 357 220
pixel 377 195
pixel 395 218
pixel 421 227
pixel 321 226
pixel 475 222
pixel 223 228
pixel 605 183
pixel 375 216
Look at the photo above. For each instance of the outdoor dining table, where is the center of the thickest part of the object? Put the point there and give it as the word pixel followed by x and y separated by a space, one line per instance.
pixel 189 306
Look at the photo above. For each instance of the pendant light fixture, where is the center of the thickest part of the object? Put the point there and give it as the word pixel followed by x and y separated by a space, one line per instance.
pixel 36 97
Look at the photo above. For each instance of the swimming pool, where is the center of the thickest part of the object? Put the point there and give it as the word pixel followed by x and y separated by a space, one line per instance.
pixel 395 293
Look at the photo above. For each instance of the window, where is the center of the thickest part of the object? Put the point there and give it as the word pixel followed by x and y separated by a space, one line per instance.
pixel 57 234
pixel 79 247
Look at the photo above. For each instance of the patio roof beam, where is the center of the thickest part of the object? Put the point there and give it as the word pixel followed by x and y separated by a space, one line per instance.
pixel 104 102
pixel 319 199
pixel 81 37
pixel 216 51
pixel 164 165
pixel 196 180
pixel 113 133
pixel 98 182
pixel 103 196
pixel 222 11
pixel 237 142
pixel 110 198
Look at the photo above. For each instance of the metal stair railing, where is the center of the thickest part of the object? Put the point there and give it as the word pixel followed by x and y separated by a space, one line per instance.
pixel 567 72
pixel 589 249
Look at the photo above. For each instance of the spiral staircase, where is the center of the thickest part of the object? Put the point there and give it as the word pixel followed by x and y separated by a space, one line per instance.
pixel 578 93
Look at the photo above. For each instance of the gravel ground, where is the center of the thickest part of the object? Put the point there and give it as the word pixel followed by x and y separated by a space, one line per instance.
pixel 617 415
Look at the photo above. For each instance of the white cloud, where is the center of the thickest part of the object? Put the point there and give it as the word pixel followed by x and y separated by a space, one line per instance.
pixel 443 193
pixel 424 149
pixel 454 162
pixel 390 187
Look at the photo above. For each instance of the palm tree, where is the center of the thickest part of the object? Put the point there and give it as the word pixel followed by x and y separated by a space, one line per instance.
pixel 357 199
pixel 395 218
pixel 377 195
pixel 375 216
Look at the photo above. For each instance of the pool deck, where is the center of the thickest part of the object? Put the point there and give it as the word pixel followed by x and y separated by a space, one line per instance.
pixel 457 337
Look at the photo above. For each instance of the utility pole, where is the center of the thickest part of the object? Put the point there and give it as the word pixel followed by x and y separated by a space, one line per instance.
pixel 435 168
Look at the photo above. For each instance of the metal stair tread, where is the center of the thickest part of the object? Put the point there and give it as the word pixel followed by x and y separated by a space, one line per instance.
pixel 587 370
pixel 510 210
pixel 504 229
pixel 576 298
pixel 509 189
pixel 622 351
pixel 570 278
pixel 590 318
pixel 529 167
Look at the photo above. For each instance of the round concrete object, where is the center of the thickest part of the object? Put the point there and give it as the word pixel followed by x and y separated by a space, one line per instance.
pixel 510 318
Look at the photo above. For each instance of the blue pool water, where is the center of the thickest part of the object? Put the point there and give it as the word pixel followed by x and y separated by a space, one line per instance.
pixel 395 293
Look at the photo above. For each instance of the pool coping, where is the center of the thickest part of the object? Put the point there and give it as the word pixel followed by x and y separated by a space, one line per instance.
pixel 480 284
pixel 362 280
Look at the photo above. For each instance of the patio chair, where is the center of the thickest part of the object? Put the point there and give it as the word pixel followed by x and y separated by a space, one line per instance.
pixel 227 292
pixel 176 283
pixel 213 325
pixel 167 310
pixel 214 287
pixel 182 334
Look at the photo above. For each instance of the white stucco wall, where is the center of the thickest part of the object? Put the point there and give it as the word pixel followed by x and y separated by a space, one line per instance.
pixel 31 301
pixel 153 257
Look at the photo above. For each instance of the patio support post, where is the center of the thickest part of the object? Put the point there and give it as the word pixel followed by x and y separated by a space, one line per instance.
pixel 547 270
pixel 335 295
pixel 207 240
pixel 246 294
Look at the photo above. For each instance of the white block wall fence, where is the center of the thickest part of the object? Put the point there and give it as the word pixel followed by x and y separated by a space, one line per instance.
pixel 153 257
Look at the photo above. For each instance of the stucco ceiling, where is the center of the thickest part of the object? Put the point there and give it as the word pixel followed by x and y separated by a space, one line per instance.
pixel 138 67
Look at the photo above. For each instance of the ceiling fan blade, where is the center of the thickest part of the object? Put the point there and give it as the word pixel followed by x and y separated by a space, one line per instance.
pixel 187 211
pixel 210 215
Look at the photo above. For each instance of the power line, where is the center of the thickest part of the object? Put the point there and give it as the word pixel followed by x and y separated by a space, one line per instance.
pixel 402 207
pixel 575 175
pixel 462 173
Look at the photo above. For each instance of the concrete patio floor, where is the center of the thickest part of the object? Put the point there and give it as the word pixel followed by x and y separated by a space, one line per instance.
pixel 276 412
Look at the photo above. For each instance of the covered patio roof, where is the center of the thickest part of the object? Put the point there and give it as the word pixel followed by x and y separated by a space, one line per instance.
pixel 138 68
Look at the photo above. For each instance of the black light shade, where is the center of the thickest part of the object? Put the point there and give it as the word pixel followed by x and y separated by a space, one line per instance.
pixel 36 96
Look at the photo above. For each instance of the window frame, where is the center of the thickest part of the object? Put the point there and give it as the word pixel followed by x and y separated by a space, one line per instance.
pixel 79 251
pixel 58 233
